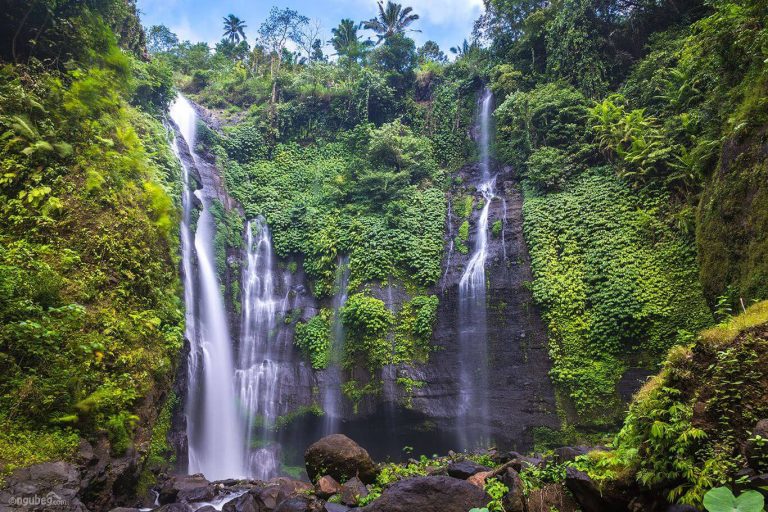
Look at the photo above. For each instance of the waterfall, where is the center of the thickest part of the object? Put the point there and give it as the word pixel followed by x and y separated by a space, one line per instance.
pixel 259 372
pixel 473 332
pixel 214 429
pixel 332 387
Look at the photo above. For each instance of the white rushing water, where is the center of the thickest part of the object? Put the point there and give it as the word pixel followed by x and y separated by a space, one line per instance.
pixel 259 371
pixel 473 332
pixel 215 433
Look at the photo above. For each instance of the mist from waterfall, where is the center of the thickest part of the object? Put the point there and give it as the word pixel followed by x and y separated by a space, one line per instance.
pixel 473 410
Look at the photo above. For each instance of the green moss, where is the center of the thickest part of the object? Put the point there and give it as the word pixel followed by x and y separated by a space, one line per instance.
pixel 496 228
pixel 646 293
pixel 314 339
pixel 730 222
pixel 301 412
pixel 355 392
pixel 91 321
pixel 687 427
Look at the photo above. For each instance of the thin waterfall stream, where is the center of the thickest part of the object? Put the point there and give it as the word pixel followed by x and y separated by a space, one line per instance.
pixel 473 329
pixel 332 399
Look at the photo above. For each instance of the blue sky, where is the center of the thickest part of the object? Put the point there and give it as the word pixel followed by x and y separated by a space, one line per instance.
pixel 446 21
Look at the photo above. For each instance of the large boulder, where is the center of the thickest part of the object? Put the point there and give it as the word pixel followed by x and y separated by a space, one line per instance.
pixel 465 469
pixel 300 504
pixel 43 487
pixel 590 498
pixel 429 494
pixel 280 489
pixel 186 488
pixel 514 500
pixel 340 457
pixel 248 502
pixel 336 507
pixel 569 453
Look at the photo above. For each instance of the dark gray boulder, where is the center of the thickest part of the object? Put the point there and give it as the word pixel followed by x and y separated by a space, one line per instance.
pixel 340 457
pixel 186 488
pixel 514 500
pixel 465 469
pixel 352 490
pixel 336 507
pixel 611 498
pixel 43 487
pixel 248 502
pixel 569 453
pixel 300 504
pixel 429 494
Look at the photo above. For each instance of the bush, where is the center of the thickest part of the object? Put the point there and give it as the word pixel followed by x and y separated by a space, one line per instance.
pixel 548 168
pixel 314 339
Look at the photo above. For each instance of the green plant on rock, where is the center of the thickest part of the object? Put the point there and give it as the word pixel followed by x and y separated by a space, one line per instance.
pixel 496 228
pixel 314 338
pixel 496 491
pixel 367 321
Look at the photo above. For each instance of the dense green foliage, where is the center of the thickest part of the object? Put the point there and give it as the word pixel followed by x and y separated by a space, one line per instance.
pixel 90 319
pixel 613 280
pixel 622 111
pixel 689 429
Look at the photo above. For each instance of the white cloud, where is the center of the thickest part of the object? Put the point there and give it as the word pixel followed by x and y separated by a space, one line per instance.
pixel 443 12
pixel 448 12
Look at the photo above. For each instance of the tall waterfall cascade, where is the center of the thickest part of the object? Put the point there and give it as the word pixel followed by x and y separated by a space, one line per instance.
pixel 214 428
pixel 259 372
pixel 473 321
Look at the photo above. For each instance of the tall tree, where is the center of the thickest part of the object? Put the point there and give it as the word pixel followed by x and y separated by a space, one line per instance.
pixel 431 51
pixel 234 28
pixel 347 42
pixel 310 40
pixel 160 39
pixel 391 20
pixel 281 26
pixel 576 48
pixel 464 48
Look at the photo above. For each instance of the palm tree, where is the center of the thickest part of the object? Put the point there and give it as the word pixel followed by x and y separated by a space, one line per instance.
pixel 346 42
pixel 392 19
pixel 464 48
pixel 233 28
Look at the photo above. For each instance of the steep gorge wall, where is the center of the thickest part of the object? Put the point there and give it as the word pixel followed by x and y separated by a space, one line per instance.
pixel 520 394
pixel 732 222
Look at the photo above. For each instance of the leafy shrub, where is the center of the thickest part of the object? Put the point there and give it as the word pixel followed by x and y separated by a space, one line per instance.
pixel 548 168
pixel 314 339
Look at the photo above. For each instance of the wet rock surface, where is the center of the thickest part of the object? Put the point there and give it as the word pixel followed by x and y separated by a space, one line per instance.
pixel 464 469
pixel 522 397
pixel 429 494
pixel 340 457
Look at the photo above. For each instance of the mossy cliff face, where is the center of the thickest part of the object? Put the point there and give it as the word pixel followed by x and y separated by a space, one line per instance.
pixel 697 424
pixel 520 395
pixel 732 227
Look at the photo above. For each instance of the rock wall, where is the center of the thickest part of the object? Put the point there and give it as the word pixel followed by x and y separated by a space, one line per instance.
pixel 520 396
